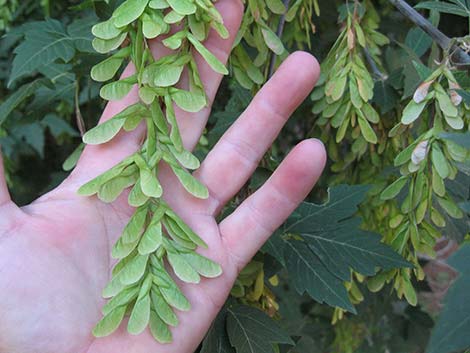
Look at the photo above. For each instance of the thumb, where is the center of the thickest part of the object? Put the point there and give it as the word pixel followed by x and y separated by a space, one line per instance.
pixel 4 195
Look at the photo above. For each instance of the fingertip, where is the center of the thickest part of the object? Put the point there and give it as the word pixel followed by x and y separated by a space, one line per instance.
pixel 305 164
pixel 306 65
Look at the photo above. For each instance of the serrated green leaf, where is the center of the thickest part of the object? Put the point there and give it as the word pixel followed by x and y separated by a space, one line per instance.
pixel 451 331
pixel 333 244
pixel 44 43
pixel 252 331
pixel 308 275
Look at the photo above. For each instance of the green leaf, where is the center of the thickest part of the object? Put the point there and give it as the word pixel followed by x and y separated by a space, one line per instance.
pixel 333 244
pixel 140 316
pixel 191 184
pixel 217 340
pixel 117 90
pixel 103 46
pixel 183 7
pixel 367 132
pixel 44 43
pixel 186 158
pixel 446 105
pixel 183 270
pixel 103 132
pixel 203 265
pixel 163 310
pixel 18 97
pixel 309 275
pixel 252 331
pixel 462 139
pixel 213 62
pixel 394 189
pixel 273 41
pixel 276 6
pixel 106 30
pixel 134 270
pixel 108 68
pixel 186 229
pixel 444 7
pixel 136 197
pixel 151 240
pixel 168 287
pixel 439 161
pixel 159 329
pixel 412 111
pixel 110 322
pixel 149 183
pixel 129 11
pixel 122 298
pixel 164 76
pixel 159 4
pixel 191 102
pixel 451 331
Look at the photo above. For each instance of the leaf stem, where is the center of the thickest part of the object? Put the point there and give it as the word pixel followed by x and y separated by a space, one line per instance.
pixel 459 56
pixel 280 30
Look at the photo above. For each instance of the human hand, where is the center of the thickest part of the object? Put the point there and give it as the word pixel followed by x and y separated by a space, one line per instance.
pixel 55 253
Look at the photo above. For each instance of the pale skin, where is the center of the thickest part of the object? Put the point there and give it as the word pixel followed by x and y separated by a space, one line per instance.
pixel 55 253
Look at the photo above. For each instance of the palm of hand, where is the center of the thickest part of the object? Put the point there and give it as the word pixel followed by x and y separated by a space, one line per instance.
pixel 55 253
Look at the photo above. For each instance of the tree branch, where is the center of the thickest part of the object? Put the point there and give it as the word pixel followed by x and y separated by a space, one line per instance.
pixel 280 30
pixel 459 56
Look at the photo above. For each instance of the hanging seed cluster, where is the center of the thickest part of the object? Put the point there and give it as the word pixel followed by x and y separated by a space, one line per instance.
pixel 425 165
pixel 342 97
pixel 141 287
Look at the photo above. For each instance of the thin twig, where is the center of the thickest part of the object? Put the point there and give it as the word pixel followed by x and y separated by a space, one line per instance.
pixel 280 30
pixel 459 56
pixel 373 66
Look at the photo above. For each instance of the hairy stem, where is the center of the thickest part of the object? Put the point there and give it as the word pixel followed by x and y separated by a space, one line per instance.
pixel 459 56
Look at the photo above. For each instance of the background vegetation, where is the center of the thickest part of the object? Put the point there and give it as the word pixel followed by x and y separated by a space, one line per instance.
pixel 365 263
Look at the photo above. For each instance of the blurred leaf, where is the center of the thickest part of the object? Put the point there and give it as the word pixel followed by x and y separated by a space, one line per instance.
pixel 453 325
pixel 252 331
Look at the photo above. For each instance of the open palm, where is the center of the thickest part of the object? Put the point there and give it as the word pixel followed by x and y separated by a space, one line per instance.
pixel 55 253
